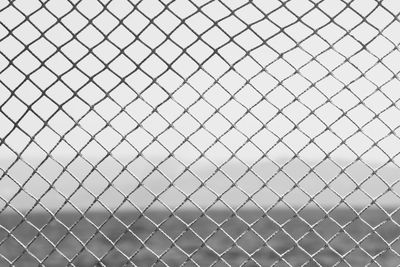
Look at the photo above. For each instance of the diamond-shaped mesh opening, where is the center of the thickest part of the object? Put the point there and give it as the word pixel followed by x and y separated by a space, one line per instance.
pixel 211 133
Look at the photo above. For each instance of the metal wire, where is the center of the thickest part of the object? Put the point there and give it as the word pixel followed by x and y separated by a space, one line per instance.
pixel 205 133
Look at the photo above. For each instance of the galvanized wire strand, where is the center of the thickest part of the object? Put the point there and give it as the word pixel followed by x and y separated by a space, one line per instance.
pixel 142 181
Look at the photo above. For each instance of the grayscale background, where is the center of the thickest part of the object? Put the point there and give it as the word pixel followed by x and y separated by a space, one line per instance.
pixel 199 133
pixel 342 102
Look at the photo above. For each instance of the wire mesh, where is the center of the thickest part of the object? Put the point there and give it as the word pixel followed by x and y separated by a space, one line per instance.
pixel 199 133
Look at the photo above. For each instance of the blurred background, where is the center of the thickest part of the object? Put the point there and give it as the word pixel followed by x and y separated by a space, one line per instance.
pixel 260 101
pixel 199 133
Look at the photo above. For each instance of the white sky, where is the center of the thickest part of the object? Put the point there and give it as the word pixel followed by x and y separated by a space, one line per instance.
pixel 369 100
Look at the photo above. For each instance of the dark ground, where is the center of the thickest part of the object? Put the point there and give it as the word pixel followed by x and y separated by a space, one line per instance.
pixel 203 243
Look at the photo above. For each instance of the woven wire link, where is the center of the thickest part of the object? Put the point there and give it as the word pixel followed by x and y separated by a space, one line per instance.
pixel 199 133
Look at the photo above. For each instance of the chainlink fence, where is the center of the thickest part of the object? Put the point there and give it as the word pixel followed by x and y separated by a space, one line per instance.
pixel 199 133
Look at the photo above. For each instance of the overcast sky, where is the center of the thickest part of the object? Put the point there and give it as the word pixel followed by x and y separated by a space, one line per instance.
pixel 260 90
